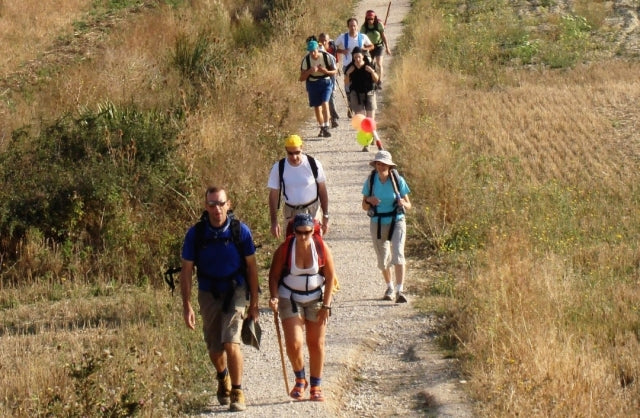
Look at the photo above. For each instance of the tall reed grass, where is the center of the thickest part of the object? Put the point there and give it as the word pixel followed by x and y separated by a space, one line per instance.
pixel 165 99
pixel 525 179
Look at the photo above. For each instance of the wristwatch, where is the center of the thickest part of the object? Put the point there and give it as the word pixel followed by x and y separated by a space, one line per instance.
pixel 326 215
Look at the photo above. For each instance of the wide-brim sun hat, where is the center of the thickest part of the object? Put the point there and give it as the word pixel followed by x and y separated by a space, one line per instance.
pixel 251 333
pixel 383 157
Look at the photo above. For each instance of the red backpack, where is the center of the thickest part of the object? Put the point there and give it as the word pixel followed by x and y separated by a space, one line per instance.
pixel 288 241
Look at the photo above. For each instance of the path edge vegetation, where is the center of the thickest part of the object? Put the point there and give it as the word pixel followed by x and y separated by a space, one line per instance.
pixel 531 259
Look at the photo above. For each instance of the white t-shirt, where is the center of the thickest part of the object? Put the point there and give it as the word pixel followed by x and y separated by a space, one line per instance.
pixel 352 43
pixel 299 183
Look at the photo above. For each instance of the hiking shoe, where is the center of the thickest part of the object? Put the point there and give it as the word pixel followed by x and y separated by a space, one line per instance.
pixel 365 149
pixel 237 400
pixel 400 298
pixel 224 390
pixel 325 132
pixel 321 133
pixel 316 394
pixel 334 123
pixel 388 295
pixel 297 392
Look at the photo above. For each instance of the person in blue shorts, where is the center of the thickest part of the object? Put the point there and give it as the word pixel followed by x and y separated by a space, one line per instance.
pixel 385 197
pixel 317 69
pixel 222 250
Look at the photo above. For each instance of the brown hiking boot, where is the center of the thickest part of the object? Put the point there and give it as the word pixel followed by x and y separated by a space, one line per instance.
pixel 237 400
pixel 224 390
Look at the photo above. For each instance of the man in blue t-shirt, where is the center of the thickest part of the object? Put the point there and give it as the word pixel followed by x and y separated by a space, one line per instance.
pixel 224 268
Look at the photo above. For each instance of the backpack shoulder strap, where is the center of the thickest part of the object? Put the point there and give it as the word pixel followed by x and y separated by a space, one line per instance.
pixel 308 58
pixel 281 178
pixel 371 179
pixel 314 166
pixel 346 40
pixel 314 170
pixel 326 59
pixel 360 39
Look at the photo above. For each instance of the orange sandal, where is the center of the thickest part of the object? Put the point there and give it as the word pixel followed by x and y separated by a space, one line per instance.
pixel 316 394
pixel 297 392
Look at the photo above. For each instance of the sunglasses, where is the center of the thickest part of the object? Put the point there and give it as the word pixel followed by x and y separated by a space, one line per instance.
pixel 294 152
pixel 305 233
pixel 218 203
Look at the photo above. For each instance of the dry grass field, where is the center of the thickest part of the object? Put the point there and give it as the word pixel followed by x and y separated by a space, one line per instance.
pixel 527 179
pixel 514 122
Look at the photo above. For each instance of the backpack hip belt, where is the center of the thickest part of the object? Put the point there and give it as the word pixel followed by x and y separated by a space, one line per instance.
pixel 294 305
pixel 302 206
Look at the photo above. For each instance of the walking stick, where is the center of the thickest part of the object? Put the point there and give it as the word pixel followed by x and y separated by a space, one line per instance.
pixel 346 102
pixel 284 371
pixel 385 18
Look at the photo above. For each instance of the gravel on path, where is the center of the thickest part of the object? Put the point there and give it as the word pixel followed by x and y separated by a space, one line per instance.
pixel 381 359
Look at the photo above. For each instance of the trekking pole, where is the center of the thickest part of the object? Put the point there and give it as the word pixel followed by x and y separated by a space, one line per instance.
pixel 344 96
pixel 385 18
pixel 284 371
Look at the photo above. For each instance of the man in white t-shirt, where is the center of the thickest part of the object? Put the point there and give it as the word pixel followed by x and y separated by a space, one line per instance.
pixel 351 39
pixel 302 185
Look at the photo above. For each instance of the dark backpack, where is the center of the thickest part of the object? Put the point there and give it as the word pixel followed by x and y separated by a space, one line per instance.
pixel 314 170
pixel 394 179
pixel 361 84
pixel 325 56
pixel 200 242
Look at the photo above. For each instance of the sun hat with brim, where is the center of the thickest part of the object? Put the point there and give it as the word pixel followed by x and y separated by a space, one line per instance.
pixel 251 333
pixel 312 45
pixel 383 157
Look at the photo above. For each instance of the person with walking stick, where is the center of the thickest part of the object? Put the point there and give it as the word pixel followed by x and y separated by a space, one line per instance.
pixel 386 199
pixel 301 281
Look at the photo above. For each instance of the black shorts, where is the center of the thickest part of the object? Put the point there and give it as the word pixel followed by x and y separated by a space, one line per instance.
pixel 378 50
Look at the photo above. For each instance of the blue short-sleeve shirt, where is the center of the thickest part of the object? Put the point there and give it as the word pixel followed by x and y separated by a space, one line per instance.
pixel 218 260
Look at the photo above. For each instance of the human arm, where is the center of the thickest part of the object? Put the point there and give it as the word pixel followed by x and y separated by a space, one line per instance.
pixel 275 272
pixel 186 283
pixel 404 202
pixel 304 74
pixel 323 195
pixel 252 280
pixel 374 75
pixel 274 194
pixel 329 280
pixel 386 43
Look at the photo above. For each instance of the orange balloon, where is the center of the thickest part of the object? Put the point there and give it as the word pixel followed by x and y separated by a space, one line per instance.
pixel 368 125
pixel 356 120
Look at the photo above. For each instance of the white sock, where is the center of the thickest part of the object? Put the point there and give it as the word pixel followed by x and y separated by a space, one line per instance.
pixel 390 285
pixel 399 288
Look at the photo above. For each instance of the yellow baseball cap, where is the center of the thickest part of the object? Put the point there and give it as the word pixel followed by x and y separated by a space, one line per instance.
pixel 293 141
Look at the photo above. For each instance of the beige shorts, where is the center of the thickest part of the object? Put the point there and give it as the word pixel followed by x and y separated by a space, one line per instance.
pixel 389 252
pixel 307 311
pixel 221 327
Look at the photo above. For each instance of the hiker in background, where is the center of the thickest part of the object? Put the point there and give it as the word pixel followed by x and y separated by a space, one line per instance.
pixel 301 280
pixel 224 271
pixel 316 70
pixel 328 45
pixel 301 180
pixel 386 198
pixel 351 39
pixel 362 79
pixel 374 29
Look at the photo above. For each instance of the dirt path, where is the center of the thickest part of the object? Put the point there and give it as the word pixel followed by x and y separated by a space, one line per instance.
pixel 381 360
